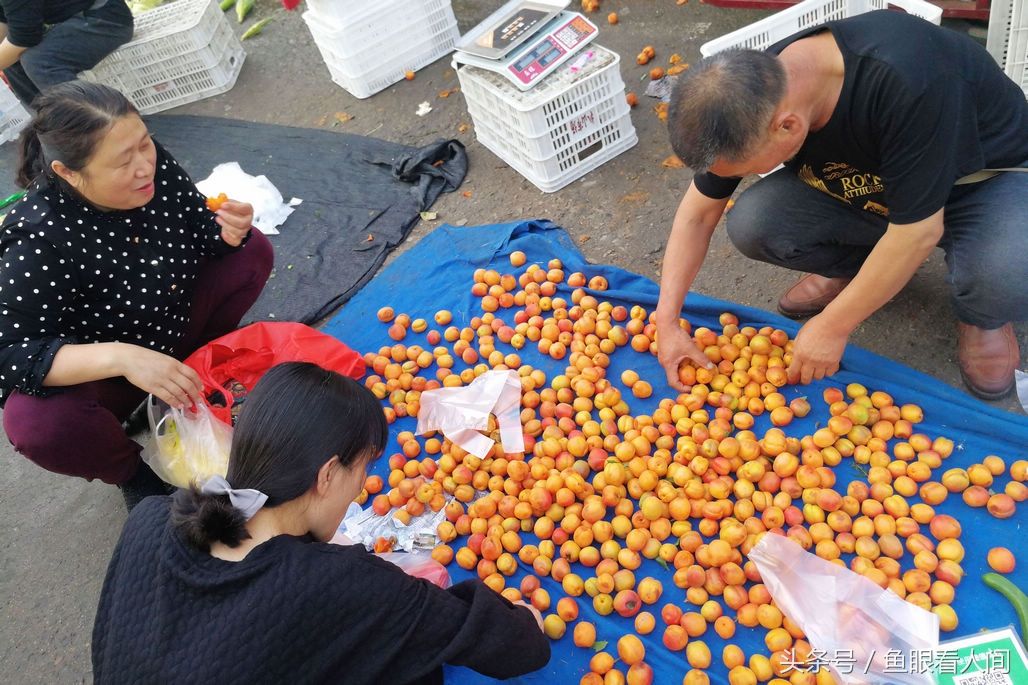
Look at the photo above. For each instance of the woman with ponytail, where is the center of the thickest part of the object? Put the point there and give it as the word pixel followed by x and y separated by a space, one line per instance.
pixel 112 271
pixel 234 581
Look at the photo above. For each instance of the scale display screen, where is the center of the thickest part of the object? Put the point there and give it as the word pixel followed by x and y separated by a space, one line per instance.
pixel 537 59
pixel 511 29
pixel 545 54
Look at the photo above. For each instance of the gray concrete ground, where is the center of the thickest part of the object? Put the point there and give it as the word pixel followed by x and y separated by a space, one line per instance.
pixel 57 533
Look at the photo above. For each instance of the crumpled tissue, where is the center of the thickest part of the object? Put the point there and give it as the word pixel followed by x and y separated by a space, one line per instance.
pixel 460 413
pixel 269 209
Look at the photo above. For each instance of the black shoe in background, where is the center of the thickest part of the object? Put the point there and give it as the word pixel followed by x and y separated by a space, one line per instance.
pixel 144 484
pixel 137 422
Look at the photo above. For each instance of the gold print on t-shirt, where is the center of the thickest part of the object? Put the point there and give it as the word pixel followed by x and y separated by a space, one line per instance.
pixel 859 185
pixel 807 175
pixel 834 170
pixel 846 183
pixel 872 206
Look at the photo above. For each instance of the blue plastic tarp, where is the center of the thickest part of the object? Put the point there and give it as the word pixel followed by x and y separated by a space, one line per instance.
pixel 437 274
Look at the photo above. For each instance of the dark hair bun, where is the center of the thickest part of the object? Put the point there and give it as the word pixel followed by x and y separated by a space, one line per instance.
pixel 203 519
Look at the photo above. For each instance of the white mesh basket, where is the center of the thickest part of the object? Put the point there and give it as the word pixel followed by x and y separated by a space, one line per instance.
pixel 180 52
pixel 13 116
pixel 768 31
pixel 567 125
pixel 372 51
pixel 1008 39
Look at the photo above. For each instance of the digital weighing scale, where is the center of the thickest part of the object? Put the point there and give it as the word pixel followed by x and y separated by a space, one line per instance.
pixel 525 40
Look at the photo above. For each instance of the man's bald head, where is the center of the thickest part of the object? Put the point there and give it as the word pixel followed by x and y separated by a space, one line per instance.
pixel 722 107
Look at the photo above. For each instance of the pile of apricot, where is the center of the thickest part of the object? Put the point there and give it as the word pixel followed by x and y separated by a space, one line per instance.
pixel 600 488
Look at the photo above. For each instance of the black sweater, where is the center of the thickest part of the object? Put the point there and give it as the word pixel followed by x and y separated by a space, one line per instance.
pixel 293 611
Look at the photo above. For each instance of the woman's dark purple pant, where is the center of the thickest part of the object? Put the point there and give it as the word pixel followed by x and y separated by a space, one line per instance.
pixel 78 432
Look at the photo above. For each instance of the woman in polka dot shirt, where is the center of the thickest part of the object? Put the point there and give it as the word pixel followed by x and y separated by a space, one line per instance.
pixel 112 270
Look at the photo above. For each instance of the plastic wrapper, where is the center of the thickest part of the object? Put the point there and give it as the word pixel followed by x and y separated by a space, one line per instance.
pixel 419 565
pixel 366 527
pixel 415 562
pixel 461 413
pixel 842 612
pixel 188 445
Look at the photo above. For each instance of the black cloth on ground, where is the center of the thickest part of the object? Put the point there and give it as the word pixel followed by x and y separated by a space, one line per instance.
pixel 349 192
pixel 353 188
pixel 920 107
pixel 294 611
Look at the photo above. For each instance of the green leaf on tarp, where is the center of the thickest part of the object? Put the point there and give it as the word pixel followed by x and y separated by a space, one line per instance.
pixel 599 646
pixel 663 563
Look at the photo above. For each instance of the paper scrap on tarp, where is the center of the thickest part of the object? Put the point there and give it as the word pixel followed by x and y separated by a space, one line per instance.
pixel 269 208
pixel 460 413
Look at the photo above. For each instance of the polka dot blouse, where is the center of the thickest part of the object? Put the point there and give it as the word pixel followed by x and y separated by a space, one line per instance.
pixel 70 273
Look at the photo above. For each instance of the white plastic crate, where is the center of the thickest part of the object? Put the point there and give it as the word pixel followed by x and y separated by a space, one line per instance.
pixel 13 116
pixel 572 162
pixel 766 32
pixel 549 103
pixel 367 24
pixel 567 125
pixel 375 50
pixel 1008 39
pixel 180 52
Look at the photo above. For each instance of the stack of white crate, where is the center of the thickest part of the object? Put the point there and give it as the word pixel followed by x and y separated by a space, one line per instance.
pixel 768 31
pixel 368 46
pixel 1008 39
pixel 13 116
pixel 568 124
pixel 181 52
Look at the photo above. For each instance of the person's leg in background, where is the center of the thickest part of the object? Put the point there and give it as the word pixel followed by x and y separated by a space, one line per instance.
pixel 21 85
pixel 783 221
pixel 226 288
pixel 986 244
pixel 70 47
pixel 78 432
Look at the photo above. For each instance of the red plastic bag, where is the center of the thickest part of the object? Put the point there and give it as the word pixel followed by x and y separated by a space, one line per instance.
pixel 245 355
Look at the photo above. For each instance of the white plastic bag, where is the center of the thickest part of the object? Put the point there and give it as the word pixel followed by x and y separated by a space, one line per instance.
pixel 188 445
pixel 842 612
pixel 460 413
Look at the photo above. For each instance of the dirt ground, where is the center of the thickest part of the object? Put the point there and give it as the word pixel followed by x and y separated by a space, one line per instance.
pixel 59 532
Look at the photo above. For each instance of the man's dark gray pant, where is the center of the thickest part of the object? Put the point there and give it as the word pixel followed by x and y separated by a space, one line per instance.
pixel 74 45
pixel 781 220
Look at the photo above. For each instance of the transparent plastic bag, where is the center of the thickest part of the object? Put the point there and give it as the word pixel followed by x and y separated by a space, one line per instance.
pixel 417 563
pixel 843 613
pixel 188 445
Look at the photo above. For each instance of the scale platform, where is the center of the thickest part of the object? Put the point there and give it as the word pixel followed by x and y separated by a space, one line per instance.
pixel 525 40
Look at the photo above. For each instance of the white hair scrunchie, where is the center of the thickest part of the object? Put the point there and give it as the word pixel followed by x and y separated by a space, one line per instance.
pixel 247 501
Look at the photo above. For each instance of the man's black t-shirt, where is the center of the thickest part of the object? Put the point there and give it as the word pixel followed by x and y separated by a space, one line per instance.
pixel 920 107
pixel 26 19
